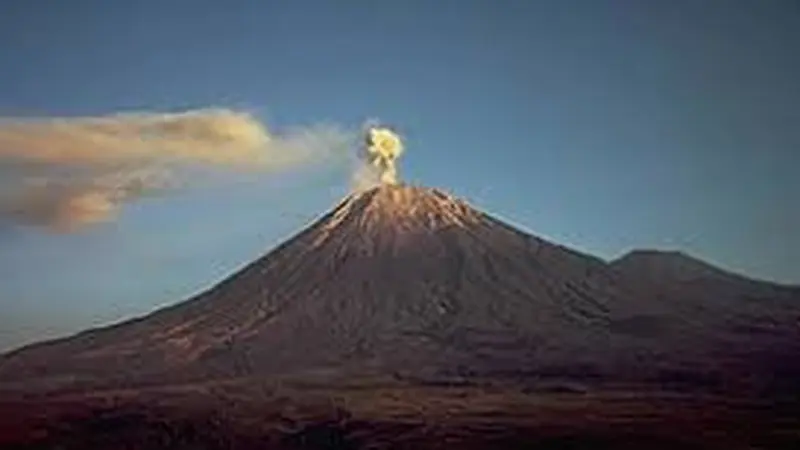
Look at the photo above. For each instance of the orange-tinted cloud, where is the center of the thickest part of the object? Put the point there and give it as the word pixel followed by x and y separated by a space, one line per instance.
pixel 78 171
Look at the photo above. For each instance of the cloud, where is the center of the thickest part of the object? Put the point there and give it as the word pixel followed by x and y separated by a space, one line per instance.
pixel 212 136
pixel 67 203
pixel 65 173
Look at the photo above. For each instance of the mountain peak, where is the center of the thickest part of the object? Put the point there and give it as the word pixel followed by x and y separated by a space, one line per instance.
pixel 392 278
pixel 403 208
pixel 674 266
pixel 412 281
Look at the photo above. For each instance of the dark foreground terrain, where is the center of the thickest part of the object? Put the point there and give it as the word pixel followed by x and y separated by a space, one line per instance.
pixel 253 414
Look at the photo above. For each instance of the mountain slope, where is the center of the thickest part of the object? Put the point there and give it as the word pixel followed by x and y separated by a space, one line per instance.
pixel 395 277
pixel 707 293
pixel 398 280
pixel 744 327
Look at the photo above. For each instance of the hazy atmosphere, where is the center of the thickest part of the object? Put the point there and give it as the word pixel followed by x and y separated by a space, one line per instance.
pixel 605 126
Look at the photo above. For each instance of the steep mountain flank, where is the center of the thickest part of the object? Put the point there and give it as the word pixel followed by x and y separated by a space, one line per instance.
pixel 410 282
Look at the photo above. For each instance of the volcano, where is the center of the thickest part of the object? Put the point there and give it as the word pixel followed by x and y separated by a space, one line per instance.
pixel 397 278
pixel 415 287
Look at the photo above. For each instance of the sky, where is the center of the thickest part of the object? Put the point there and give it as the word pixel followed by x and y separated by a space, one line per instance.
pixel 601 125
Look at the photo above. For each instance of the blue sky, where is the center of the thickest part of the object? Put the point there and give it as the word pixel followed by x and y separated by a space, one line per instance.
pixel 602 125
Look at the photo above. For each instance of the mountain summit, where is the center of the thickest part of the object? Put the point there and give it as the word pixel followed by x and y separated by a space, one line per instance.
pixel 402 281
pixel 405 318
pixel 397 277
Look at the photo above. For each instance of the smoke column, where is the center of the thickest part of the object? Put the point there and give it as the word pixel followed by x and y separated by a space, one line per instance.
pixel 66 173
pixel 378 157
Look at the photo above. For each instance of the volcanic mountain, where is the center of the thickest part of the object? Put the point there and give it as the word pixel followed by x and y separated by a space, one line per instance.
pixel 404 318
pixel 414 283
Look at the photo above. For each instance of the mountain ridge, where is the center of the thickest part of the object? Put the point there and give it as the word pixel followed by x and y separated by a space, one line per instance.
pixel 681 264
pixel 405 318
pixel 404 279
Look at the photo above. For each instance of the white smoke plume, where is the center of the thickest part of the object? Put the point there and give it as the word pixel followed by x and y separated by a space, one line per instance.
pixel 65 173
pixel 377 158
pixel 365 177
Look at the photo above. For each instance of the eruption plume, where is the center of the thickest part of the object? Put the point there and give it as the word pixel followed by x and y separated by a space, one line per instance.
pixel 64 173
pixel 381 150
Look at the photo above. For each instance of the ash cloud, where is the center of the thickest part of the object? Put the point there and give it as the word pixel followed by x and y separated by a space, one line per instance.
pixel 376 163
pixel 67 173
pixel 68 203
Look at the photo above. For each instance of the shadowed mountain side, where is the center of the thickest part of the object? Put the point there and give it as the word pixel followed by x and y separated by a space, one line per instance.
pixel 743 325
